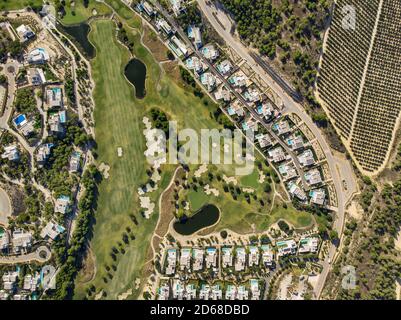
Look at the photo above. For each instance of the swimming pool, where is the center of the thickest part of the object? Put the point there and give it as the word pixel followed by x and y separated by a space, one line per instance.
pixel 21 119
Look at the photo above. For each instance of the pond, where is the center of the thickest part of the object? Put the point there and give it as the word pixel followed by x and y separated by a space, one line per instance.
pixel 206 216
pixel 135 71
pixel 79 34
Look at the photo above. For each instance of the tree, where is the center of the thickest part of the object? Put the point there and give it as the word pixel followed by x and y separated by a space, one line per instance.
pixel 3 79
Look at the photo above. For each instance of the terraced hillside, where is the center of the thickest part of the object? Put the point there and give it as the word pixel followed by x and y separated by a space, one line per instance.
pixel 358 84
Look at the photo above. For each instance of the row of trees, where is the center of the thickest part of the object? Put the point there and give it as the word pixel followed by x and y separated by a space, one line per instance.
pixel 72 260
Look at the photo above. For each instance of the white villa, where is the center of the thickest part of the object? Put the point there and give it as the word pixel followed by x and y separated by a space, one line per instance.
pixel 37 56
pixel 288 171
pixel 211 258
pixel 296 191
pixel 282 127
pixel 210 52
pixel 36 76
pixel 194 33
pixel 313 177
pixel 177 7
pixel 253 258
pixel 277 154
pixel 162 25
pixel 225 67
pixel 308 245
pixel 286 247
pixel 254 287
pixel 25 33
pixel 264 140
pixel 296 142
pixel 195 64
pixel 306 158
pixel 267 255
pixel 236 108
pixel 185 259
pixel 75 163
pixel 240 259
pixel 54 97
pixel 31 283
pixel 222 93
pixel 11 153
pixel 171 261
pixel 317 196
pixel 62 204
pixel 21 240
pixel 208 80
pixel 164 292
pixel 226 257
pixel 51 230
pixel 43 153
pixel 197 256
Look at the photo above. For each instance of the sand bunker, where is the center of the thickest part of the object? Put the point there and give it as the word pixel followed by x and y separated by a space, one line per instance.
pixel 125 295
pixel 213 191
pixel 229 180
pixel 148 205
pixel 201 169
pixel 262 177
pixel 104 169
pixel 248 190
pixel 155 143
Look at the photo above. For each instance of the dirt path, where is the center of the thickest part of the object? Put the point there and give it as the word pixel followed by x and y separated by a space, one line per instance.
pixel 5 207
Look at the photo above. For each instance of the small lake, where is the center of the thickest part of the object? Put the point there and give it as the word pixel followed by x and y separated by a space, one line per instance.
pixel 79 34
pixel 206 216
pixel 135 71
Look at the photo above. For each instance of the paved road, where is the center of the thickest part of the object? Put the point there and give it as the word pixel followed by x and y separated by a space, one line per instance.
pixel 293 107
pixel 29 257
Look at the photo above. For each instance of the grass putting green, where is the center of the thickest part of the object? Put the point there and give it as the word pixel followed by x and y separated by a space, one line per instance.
pixel 132 20
pixel 251 180
pixel 197 199
pixel 78 13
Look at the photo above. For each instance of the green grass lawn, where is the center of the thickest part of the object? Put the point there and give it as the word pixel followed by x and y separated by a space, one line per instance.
pixel 251 180
pixel 197 199
pixel 118 117
pixel 124 12
pixel 238 214
pixel 78 13
pixel 18 4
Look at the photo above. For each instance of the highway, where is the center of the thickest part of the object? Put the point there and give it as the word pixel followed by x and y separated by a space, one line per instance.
pixel 211 12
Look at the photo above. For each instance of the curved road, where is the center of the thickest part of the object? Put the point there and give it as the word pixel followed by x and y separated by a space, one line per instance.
pixel 29 257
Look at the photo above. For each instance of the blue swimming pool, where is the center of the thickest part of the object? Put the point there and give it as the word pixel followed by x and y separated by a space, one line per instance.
pixel 20 119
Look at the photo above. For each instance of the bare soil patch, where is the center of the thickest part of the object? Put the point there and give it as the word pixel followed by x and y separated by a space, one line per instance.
pixel 151 40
